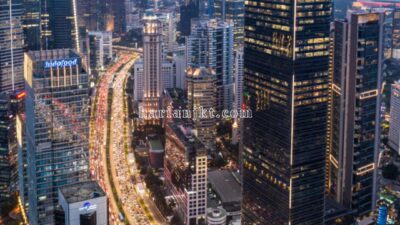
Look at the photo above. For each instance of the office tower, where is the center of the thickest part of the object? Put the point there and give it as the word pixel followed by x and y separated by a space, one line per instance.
pixel 286 86
pixel 232 11
pixel 57 127
pixel 119 13
pixel 8 146
pixel 179 59
pixel 355 110
pixel 31 24
pixel 201 96
pixel 11 46
pixel 59 24
pixel 185 172
pixel 82 203
pixel 100 49
pixel 394 128
pixel 237 92
pixel 132 15
pixel 152 60
pixel 188 11
pixel 168 22
pixel 396 34
pixel 238 79
pixel 166 77
pixel 88 11
pixel 389 8
pixel 211 45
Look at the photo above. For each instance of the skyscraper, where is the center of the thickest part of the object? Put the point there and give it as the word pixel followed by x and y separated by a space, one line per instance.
pixel 59 24
pixel 232 11
pixel 31 20
pixel 152 60
pixel 201 92
pixel 100 49
pixel 11 49
pixel 185 172
pixel 286 86
pixel 211 45
pixel 394 129
pixel 188 11
pixel 57 127
pixel 355 110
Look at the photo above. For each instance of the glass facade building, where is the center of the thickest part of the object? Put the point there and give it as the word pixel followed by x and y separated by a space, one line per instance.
pixel 286 79
pixel 11 46
pixel 57 127
pixel 232 11
pixel 358 54
pixel 210 45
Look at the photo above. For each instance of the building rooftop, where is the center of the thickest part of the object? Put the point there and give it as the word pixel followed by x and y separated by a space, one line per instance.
pixel 56 54
pixel 82 191
pixel 226 185
pixel 184 131
pixel 156 145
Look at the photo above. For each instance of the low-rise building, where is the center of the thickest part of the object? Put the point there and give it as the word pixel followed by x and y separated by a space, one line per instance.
pixel 81 204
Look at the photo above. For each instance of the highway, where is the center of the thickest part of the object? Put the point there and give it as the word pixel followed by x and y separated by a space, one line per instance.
pixel 110 144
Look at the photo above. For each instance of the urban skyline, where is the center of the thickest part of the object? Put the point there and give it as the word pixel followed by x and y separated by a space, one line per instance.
pixel 199 112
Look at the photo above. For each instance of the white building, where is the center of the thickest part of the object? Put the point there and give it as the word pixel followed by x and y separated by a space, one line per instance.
pixel 168 21
pixel 82 203
pixel 394 130
pixel 166 77
pixel 185 172
pixel 216 216
pixel 238 80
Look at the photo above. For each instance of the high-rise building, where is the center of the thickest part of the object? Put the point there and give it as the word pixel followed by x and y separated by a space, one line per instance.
pixel 286 79
pixel 100 49
pixel 391 22
pixel 237 92
pixel 179 59
pixel 152 60
pixel 11 46
pixel 185 172
pixel 59 24
pixel 238 79
pixel 394 128
pixel 10 106
pixel 211 45
pixel 201 89
pixel 354 131
pixel 232 11
pixel 396 34
pixel 188 11
pixel 87 14
pixel 167 75
pixel 31 24
pixel 119 13
pixel 57 127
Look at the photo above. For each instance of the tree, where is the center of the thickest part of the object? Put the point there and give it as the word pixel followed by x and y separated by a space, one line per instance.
pixel 390 172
